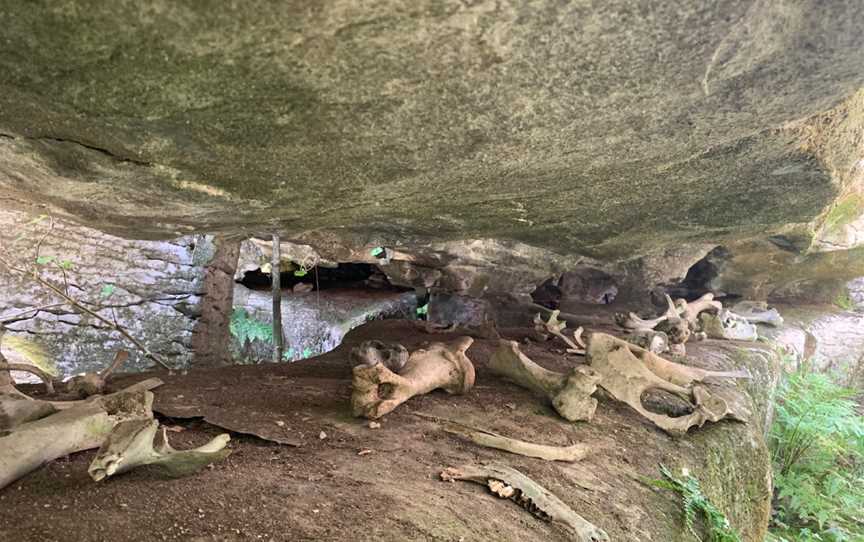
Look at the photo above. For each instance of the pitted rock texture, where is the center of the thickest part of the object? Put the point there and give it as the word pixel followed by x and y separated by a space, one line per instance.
pixel 155 294
pixel 601 129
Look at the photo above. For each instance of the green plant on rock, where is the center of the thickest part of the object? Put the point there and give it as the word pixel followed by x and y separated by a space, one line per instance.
pixel 817 444
pixel 844 302
pixel 246 329
pixel 17 261
pixel 695 504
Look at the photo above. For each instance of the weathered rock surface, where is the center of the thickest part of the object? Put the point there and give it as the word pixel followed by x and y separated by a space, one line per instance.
pixel 153 288
pixel 596 129
pixel 832 339
pixel 314 324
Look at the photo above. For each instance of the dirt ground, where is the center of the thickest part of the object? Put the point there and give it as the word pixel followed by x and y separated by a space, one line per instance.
pixel 317 487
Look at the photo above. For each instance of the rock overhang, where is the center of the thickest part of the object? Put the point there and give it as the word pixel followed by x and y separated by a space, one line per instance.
pixel 587 130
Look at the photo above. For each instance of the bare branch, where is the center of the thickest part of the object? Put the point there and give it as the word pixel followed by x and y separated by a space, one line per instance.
pixel 119 358
pixel 34 274
pixel 42 239
pixel 276 290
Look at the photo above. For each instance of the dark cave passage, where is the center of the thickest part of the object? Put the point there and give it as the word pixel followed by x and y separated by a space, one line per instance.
pixel 345 275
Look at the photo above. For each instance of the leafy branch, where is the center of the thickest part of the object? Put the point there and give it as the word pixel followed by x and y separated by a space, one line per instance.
pixel 33 272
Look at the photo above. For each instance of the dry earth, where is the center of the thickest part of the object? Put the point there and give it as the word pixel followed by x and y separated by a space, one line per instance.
pixel 323 490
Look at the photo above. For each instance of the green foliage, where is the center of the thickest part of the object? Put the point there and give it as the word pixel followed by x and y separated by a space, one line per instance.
pixel 378 252
pixel 107 290
pixel 62 264
pixel 817 443
pixel 694 504
pixel 423 311
pixel 244 328
pixel 844 302
pixel 300 272
pixel 845 212
pixel 289 354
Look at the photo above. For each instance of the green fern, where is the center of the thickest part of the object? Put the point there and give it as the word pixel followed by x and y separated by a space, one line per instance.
pixel 694 503
pixel 244 328
pixel 817 442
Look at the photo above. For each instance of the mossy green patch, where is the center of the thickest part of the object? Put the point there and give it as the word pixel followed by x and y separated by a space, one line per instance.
pixel 847 210
pixel 31 352
pixel 844 301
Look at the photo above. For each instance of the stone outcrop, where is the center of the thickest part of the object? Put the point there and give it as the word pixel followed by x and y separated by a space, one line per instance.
pixel 830 338
pixel 153 288
pixel 314 324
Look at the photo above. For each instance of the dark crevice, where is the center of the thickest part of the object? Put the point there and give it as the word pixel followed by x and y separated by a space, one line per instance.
pixel 583 284
pixel 343 276
pixel 100 150
pixel 702 277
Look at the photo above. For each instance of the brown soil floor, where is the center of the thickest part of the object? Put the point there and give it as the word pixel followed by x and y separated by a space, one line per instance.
pixel 324 490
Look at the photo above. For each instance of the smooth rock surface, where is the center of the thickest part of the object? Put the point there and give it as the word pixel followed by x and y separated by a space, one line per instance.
pixel 832 339
pixel 315 324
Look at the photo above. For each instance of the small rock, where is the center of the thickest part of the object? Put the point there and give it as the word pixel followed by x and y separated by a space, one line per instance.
pixel 374 425
pixel 511 406
pixel 322 435
pixel 280 423
pixel 365 451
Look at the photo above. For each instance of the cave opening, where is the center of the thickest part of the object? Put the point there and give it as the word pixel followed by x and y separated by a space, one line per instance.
pixel 583 284
pixel 702 277
pixel 344 276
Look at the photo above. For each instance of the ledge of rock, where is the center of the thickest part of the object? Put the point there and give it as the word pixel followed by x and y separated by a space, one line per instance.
pixel 601 130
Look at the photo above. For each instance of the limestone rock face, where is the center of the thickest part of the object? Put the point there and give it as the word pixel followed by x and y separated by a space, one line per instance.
pixel 153 288
pixel 590 129
pixel 314 324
